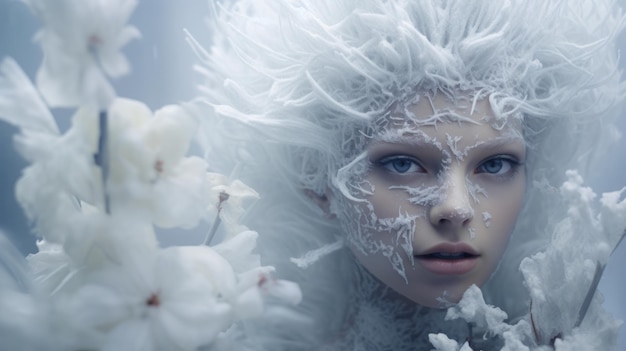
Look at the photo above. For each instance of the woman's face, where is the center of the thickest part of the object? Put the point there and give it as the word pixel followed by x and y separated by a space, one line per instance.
pixel 441 195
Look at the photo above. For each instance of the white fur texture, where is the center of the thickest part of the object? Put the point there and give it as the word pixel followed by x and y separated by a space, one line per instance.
pixel 292 87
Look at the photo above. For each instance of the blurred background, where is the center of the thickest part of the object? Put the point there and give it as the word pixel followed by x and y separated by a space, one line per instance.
pixel 162 74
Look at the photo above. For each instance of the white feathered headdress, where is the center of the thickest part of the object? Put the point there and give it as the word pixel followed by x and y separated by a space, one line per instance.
pixel 307 77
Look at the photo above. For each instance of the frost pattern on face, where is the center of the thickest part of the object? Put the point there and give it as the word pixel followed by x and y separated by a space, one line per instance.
pixel 487 219
pixel 389 230
pixel 360 222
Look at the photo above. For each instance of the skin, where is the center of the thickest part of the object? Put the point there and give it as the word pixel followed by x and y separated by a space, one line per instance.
pixel 456 181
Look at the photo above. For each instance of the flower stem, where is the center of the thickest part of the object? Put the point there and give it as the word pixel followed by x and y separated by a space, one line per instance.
pixel 590 293
pixel 619 241
pixel 212 230
pixel 102 157
pixel 223 197
pixel 594 285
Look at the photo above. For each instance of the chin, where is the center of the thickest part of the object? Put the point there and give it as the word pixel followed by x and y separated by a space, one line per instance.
pixel 438 297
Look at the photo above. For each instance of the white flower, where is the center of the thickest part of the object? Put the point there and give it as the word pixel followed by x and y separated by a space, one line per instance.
pixel 93 240
pixel 49 188
pixel 21 105
pixel 81 42
pixel 473 309
pixel 230 199
pixel 178 299
pixel 441 342
pixel 23 324
pixel 253 282
pixel 284 290
pixel 148 171
pixel 562 275
pixel 23 321
pixel 50 265
pixel 238 251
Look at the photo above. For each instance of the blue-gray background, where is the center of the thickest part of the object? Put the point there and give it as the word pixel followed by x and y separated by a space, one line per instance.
pixel 162 73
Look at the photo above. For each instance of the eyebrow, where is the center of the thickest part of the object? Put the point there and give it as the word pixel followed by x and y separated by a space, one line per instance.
pixel 400 136
pixel 420 140
pixel 498 142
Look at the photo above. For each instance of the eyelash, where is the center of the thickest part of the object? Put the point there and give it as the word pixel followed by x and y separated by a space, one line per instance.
pixel 513 164
pixel 505 160
pixel 387 164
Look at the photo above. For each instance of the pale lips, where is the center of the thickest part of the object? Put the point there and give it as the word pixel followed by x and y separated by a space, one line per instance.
pixel 449 258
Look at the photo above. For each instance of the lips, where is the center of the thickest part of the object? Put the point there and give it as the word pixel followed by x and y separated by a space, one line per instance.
pixel 449 259
pixel 447 255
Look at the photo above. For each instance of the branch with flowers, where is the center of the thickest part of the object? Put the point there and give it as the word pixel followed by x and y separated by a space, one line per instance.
pixel 96 193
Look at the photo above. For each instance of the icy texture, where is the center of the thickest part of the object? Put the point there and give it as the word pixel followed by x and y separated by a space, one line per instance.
pixel 318 80
pixel 581 241
pixel 380 320
pixel 297 89
pixel 559 278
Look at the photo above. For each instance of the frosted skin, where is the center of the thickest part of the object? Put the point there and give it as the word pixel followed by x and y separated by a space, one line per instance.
pixel 438 195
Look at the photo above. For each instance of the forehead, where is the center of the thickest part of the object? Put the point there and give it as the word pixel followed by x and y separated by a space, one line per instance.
pixel 442 120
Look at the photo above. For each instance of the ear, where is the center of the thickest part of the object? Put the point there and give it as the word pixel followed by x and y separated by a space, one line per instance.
pixel 321 200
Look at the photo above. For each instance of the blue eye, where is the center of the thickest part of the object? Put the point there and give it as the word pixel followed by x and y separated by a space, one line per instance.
pixel 496 166
pixel 401 165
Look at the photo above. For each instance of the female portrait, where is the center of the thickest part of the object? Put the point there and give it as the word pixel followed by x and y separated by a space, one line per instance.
pixel 407 151
pixel 370 175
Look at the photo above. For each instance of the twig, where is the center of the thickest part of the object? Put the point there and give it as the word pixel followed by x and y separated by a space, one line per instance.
pixel 532 323
pixel 619 242
pixel 223 197
pixel 212 230
pixel 594 286
pixel 590 293
pixel 102 157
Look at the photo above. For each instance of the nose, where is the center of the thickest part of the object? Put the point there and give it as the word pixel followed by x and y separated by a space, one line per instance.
pixel 453 208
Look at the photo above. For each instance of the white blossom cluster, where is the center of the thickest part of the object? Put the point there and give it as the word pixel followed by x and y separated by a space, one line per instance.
pixel 559 281
pixel 95 194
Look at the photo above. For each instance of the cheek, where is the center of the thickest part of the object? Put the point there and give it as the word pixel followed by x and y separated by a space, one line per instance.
pixel 380 231
pixel 497 213
pixel 386 204
pixel 398 197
